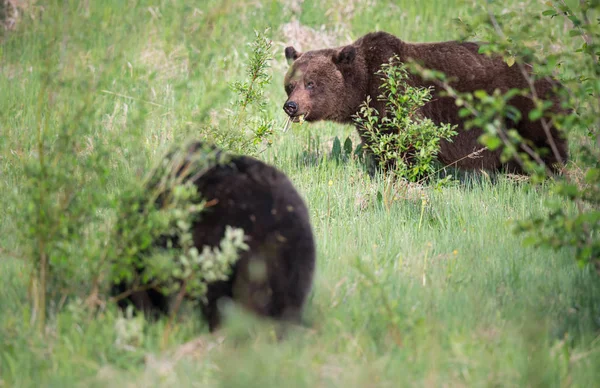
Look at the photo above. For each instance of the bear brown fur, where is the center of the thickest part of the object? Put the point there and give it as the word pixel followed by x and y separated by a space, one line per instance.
pixel 331 84
pixel 246 193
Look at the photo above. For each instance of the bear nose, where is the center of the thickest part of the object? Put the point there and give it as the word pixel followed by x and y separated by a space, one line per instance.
pixel 290 108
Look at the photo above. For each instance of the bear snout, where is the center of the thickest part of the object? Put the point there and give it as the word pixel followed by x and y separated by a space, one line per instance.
pixel 290 107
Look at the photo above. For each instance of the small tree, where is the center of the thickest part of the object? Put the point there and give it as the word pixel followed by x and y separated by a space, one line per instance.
pixel 73 189
pixel 535 38
pixel 233 134
pixel 154 232
pixel 402 140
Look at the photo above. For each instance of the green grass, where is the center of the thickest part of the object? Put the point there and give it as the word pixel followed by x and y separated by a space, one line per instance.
pixel 407 292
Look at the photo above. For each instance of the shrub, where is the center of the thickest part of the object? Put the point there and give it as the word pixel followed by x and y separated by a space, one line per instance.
pixel 402 141
pixel 155 237
pixel 529 38
pixel 77 177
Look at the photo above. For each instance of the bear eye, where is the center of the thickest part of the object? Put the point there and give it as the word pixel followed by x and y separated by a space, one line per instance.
pixel 310 85
pixel 289 88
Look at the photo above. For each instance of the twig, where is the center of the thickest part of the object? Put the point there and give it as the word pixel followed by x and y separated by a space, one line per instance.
pixel 531 88
pixel 127 293
pixel 178 300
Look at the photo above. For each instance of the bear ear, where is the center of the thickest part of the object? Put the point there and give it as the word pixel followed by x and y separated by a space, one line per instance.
pixel 345 56
pixel 291 54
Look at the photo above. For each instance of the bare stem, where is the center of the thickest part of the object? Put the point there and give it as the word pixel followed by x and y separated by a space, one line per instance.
pixel 174 311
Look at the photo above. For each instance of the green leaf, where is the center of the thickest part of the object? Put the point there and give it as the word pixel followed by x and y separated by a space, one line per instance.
pixel 591 217
pixel 348 146
pixel 491 142
pixel 593 175
pixel 535 114
pixel 480 94
pixel 359 149
pixel 464 112
pixel 569 190
pixel 336 149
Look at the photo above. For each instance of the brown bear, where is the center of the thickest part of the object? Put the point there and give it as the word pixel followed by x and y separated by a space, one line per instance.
pixel 245 193
pixel 331 84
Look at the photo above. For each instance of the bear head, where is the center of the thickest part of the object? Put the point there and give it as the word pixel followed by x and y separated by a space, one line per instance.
pixel 327 84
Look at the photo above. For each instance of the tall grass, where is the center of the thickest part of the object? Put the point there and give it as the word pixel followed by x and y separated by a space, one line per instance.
pixel 420 287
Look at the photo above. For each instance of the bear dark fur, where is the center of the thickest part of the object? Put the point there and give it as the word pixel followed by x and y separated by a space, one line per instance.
pixel 246 193
pixel 331 84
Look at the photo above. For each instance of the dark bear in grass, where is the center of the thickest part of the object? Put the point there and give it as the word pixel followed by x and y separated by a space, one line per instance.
pixel 246 193
pixel 331 84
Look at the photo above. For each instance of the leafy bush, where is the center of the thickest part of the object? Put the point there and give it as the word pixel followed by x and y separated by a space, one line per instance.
pixel 529 39
pixel 233 134
pixel 154 229
pixel 77 177
pixel 402 140
pixel 581 184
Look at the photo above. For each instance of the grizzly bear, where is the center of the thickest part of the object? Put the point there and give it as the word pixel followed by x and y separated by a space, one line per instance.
pixel 331 84
pixel 243 192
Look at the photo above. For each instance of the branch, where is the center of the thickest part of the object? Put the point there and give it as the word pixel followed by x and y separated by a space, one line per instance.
pixel 533 93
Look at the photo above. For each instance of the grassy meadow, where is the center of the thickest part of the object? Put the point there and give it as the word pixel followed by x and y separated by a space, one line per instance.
pixel 415 285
